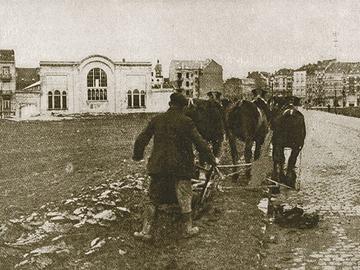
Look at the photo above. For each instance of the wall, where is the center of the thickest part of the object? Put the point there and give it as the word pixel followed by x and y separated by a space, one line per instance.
pixel 27 104
pixel 159 100
pixel 211 79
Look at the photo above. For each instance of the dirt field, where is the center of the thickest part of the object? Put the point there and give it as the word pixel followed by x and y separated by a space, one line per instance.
pixel 71 198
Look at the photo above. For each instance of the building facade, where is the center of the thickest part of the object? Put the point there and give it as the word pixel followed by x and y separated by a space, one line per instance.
pixel 7 82
pixel 299 84
pixel 196 78
pixel 98 84
pixel 282 82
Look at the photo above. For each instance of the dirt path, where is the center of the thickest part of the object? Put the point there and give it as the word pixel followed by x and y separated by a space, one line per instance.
pixel 329 185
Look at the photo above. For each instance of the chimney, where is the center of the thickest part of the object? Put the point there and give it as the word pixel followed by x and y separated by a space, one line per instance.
pixel 123 60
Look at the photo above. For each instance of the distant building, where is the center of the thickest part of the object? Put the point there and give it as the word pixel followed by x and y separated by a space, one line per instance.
pixel 261 78
pixel 342 83
pixel 236 88
pixel 299 84
pixel 196 78
pixel 7 82
pixel 157 79
pixel 97 84
pixel 282 83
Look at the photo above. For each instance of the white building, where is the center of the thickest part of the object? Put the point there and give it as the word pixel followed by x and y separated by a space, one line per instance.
pixel 299 84
pixel 98 84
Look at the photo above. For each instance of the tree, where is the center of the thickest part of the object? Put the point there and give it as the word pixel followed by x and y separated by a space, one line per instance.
pixel 233 88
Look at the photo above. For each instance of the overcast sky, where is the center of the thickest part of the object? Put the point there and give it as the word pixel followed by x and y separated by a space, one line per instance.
pixel 240 35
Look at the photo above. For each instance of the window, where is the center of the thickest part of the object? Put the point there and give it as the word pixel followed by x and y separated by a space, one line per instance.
pixel 57 100
pixel 6 103
pixel 142 98
pixel 64 104
pixel 97 84
pixel 187 84
pixel 187 75
pixel 179 75
pixel 136 99
pixel 129 99
pixel 50 100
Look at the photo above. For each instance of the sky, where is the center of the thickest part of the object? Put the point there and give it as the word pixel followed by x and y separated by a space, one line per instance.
pixel 242 36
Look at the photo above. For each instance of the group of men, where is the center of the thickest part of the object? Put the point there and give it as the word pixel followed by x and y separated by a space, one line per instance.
pixel 171 164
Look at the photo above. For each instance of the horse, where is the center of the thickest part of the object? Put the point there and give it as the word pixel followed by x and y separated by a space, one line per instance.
pixel 248 122
pixel 289 131
pixel 207 116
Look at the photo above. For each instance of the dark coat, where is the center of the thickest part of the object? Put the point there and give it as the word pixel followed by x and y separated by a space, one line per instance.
pixel 172 153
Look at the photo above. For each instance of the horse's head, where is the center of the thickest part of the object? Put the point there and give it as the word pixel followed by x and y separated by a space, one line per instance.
pixel 279 104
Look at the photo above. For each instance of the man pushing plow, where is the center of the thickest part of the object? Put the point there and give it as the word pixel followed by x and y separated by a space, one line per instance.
pixel 171 164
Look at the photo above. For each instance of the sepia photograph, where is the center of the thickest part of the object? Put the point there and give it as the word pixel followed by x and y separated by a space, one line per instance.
pixel 194 134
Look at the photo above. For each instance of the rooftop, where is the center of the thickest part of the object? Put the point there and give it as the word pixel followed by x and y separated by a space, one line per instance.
pixel 190 64
pixel 7 55
pixel 344 67
pixel 26 77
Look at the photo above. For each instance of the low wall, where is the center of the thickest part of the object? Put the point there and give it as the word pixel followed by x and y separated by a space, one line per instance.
pixel 348 111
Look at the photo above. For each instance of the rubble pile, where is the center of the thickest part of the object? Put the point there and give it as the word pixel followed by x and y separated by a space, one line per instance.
pixel 41 237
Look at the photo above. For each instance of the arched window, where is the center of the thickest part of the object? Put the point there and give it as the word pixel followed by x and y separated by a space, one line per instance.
pixel 50 100
pixel 142 98
pixel 64 103
pixel 57 100
pixel 136 99
pixel 97 81
pixel 129 96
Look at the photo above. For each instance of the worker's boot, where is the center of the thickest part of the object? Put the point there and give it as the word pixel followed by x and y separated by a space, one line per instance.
pixel 145 233
pixel 188 228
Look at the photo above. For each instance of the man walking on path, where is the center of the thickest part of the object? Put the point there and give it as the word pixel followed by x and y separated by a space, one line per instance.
pixel 171 165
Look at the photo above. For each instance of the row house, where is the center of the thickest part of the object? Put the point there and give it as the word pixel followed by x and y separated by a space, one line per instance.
pixel 299 83
pixel 196 78
pixel 342 84
pixel 281 82
pixel 7 82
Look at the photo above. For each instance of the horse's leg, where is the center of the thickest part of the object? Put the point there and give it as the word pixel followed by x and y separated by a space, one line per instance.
pixel 257 150
pixel 290 171
pixel 248 156
pixel 234 153
pixel 216 144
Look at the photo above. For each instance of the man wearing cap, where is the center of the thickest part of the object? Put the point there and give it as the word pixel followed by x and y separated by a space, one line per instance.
pixel 171 164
